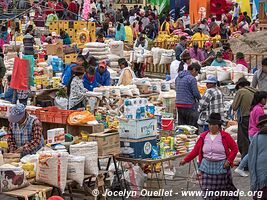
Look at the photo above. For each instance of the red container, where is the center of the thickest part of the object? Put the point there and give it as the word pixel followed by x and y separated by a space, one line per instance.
pixel 167 124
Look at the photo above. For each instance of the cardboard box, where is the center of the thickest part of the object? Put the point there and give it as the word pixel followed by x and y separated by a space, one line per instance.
pixel 137 129
pixel 108 142
pixel 55 136
pixel 89 129
pixel 55 49
pixel 141 148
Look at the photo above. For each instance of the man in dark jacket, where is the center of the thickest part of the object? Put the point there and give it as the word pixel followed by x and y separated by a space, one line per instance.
pixel 187 95
pixel 28 42
pixel 180 47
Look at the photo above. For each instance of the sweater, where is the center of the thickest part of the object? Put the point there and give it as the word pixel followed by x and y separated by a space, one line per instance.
pixel 243 100
pixel 256 112
pixel 215 63
pixel 257 161
pixel 199 55
pixel 186 89
pixel 260 80
pixel 102 79
pixel 229 144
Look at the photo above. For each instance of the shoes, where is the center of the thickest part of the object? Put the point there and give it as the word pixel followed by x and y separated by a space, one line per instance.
pixel 241 172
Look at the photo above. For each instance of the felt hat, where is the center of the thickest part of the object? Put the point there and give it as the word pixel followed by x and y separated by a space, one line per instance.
pixel 55 198
pixel 219 54
pixel 78 70
pixel 240 81
pixel 122 61
pixel 102 64
pixel 16 113
pixel 215 118
pixel 208 44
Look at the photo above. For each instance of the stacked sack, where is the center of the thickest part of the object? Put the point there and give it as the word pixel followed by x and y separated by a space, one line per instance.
pixel 99 50
pixel 162 56
pixel 113 61
pixel 116 47
pixel 233 131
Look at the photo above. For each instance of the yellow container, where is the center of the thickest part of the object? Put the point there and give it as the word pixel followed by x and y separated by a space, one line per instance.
pixel 70 58
pixel 66 25
pixel 61 25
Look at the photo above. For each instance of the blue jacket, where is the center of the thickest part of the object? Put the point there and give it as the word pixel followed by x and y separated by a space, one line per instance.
pixel 102 79
pixel 186 88
pixel 8 96
pixel 89 85
pixel 178 51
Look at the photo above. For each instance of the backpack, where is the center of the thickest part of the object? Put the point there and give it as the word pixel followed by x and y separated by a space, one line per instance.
pixel 67 74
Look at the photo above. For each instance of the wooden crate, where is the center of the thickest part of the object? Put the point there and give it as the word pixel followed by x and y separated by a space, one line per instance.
pixel 89 129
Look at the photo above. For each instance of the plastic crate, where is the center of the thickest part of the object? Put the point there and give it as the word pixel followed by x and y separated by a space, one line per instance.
pixel 82 25
pixel 70 58
pixel 66 25
pixel 61 24
pixel 76 25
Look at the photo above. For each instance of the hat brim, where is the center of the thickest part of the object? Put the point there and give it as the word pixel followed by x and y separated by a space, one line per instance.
pixel 207 81
pixel 215 122
pixel 238 83
pixel 261 123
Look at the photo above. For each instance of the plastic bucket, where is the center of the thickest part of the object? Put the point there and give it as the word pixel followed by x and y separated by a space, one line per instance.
pixel 167 124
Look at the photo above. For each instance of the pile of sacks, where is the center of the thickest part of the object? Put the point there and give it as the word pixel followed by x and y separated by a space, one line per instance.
pixel 98 50
pixel 230 72
pixel 162 56
pixel 233 131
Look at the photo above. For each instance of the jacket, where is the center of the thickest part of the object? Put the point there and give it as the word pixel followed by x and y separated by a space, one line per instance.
pixel 178 51
pixel 186 88
pixel 2 68
pixel 243 100
pixel 215 63
pixel 229 144
pixel 120 34
pixel 260 80
pixel 129 34
pixel 254 116
pixel 88 84
pixel 28 42
pixel 257 161
pixel 66 39
pixel 102 79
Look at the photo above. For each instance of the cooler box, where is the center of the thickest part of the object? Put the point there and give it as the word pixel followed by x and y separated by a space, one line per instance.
pixel 137 129
pixel 141 148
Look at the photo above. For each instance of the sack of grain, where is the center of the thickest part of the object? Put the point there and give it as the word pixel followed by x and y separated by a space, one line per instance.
pixel 90 151
pixel 236 76
pixel 116 48
pixel 211 71
pixel 113 58
pixel 93 50
pixel 76 169
pixel 115 92
pixel 167 57
pixel 156 52
pixel 96 45
pixel 223 74
pixel 12 178
pixel 52 169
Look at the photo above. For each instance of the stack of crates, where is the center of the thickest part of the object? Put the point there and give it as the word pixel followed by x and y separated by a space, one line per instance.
pixel 73 28
pixel 70 58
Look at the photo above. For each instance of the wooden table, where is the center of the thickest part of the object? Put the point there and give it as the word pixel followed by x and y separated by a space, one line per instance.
pixel 27 192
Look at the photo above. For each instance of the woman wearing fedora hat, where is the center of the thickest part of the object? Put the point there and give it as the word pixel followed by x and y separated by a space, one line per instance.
pixel 216 151
pixel 257 160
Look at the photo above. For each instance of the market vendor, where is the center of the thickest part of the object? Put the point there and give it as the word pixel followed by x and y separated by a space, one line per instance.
pixel 126 73
pixel 25 132
pixel 89 81
pixel 102 74
pixel 219 61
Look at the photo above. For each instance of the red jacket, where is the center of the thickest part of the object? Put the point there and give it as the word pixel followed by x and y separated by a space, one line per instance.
pixel 229 144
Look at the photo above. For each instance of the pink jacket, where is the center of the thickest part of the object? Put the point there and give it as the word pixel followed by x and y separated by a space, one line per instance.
pixel 256 112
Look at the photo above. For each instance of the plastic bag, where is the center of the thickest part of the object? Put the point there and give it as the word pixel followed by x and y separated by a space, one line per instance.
pixel 167 57
pixel 80 118
pixel 61 103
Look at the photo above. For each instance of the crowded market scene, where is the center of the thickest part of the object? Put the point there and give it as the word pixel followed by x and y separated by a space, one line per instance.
pixel 133 99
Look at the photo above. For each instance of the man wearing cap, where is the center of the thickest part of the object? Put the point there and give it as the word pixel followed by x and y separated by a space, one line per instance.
pixel 241 104
pixel 126 73
pixel 211 102
pixel 102 74
pixel 219 61
pixel 179 49
pixel 187 95
pixel 25 132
